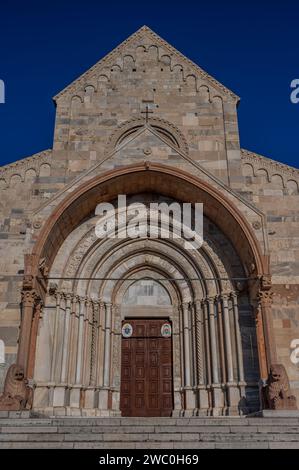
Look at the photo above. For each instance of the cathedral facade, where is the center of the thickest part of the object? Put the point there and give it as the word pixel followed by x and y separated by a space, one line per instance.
pixel 124 326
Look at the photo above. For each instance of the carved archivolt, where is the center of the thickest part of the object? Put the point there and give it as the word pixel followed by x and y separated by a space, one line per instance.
pixel 92 257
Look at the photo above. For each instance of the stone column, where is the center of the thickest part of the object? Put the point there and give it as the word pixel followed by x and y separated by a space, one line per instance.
pixel 55 339
pixel 94 342
pixel 238 340
pixel 107 351
pixel 187 372
pixel 37 315
pixel 65 346
pixel 219 308
pixel 203 398
pixel 215 376
pixel 189 396
pixel 265 305
pixel 59 393
pixel 216 386
pixel 100 344
pixel 228 343
pixel 261 299
pixel 205 307
pixel 87 342
pixel 80 341
pixel 90 395
pixel 73 342
pixel 76 391
pixel 29 299
pixel 233 392
pixel 104 392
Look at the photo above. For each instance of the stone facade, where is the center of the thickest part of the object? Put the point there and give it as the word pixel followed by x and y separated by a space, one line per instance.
pixel 146 104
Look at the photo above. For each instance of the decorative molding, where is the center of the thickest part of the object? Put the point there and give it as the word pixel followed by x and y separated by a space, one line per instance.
pixel 145 38
pixel 20 167
pixel 155 123
pixel 271 166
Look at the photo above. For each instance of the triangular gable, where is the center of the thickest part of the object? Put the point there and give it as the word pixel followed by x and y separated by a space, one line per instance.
pixel 146 37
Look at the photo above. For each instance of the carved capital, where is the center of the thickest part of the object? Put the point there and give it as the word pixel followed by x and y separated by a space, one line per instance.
pixel 265 298
pixel 266 282
pixel 29 298
pixel 53 288
pixel 28 282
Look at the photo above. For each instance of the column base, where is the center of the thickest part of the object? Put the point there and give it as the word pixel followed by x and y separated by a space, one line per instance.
pixel 218 400
pixel 233 399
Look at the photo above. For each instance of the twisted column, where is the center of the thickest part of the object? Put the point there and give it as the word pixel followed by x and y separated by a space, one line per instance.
pixel 199 348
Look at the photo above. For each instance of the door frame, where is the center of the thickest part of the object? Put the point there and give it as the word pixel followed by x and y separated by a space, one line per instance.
pixel 147 319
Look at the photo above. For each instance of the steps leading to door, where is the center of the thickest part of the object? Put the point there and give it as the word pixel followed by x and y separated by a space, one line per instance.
pixel 148 433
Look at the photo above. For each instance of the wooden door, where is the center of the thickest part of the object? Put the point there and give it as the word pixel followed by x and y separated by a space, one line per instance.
pixel 146 370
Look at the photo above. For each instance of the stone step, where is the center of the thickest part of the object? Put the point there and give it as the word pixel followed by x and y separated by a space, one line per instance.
pixel 39 429
pixel 154 436
pixel 150 433
pixel 211 422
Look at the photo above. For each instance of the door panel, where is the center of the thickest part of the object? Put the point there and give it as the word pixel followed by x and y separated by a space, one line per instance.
pixel 146 370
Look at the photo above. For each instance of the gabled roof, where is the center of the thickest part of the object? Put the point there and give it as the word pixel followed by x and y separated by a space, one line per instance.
pixel 145 36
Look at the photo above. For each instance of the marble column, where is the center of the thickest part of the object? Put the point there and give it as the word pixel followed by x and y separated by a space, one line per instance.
pixel 107 351
pixel 104 392
pixel 233 392
pixel 100 344
pixel 75 395
pixel 205 307
pixel 94 343
pixel 238 340
pixel 59 396
pixel 90 395
pixel 228 342
pixel 213 341
pixel 80 341
pixel 187 362
pixel 189 395
pixel 203 398
pixel 55 340
pixel 216 386
pixel 86 345
pixel 73 342
pixel 65 346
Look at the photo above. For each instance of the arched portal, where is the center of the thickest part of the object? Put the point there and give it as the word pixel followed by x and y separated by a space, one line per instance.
pixel 79 333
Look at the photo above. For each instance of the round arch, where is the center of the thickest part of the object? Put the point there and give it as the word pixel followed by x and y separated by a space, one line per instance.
pixel 150 177
pixel 145 177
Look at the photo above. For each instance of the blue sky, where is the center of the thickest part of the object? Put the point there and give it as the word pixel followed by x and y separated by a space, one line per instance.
pixel 252 47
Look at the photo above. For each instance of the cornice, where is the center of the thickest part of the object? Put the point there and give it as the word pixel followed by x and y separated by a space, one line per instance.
pixel 143 34
pixel 20 167
pixel 272 166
